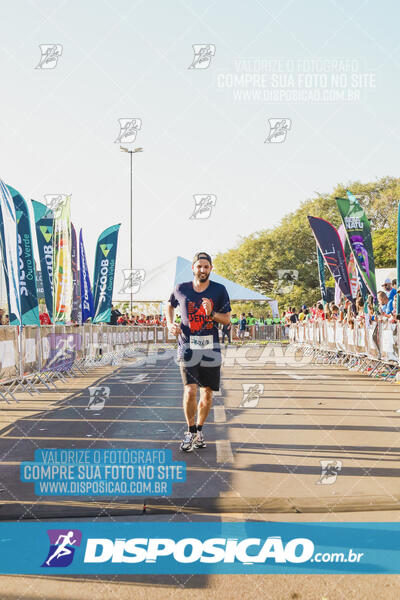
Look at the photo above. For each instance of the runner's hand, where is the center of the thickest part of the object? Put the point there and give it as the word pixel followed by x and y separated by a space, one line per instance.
pixel 175 329
pixel 207 305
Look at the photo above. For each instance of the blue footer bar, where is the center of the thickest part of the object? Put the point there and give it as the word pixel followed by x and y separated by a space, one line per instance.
pixel 201 547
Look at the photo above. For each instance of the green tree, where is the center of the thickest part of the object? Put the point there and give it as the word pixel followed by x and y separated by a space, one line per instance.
pixel 258 258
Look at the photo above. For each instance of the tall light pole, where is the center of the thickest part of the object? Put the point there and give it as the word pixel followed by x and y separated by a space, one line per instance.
pixel 131 152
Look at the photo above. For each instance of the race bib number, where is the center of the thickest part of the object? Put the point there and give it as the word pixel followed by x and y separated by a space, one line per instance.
pixel 201 342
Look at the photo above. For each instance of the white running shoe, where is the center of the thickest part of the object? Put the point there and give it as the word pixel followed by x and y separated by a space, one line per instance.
pixel 199 441
pixel 187 442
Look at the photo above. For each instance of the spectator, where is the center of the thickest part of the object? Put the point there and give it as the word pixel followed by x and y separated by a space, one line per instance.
pixel 327 312
pixel 226 331
pixel 360 315
pixel 294 316
pixel 44 317
pixel 334 312
pixel 371 307
pixel 288 315
pixel 242 326
pixel 268 320
pixel 302 315
pixel 319 313
pixel 114 315
pixel 390 293
pixel 384 306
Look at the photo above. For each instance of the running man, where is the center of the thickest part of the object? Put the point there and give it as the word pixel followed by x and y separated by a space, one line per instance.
pixel 61 549
pixel 203 304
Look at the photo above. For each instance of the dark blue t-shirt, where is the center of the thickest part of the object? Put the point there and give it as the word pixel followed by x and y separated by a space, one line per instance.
pixel 199 338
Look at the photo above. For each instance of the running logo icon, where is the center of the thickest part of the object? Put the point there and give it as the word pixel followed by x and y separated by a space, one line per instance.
pixel 251 394
pixel 203 54
pixel 278 129
pixel 330 471
pixel 50 53
pixel 133 279
pixel 286 279
pixel 63 543
pixel 53 203
pixel 203 205
pixel 98 397
pixel 128 129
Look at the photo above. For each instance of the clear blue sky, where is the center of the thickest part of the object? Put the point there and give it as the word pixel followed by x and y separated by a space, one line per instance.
pixel 130 59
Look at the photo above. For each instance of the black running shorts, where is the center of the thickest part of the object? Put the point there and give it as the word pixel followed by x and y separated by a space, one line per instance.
pixel 202 376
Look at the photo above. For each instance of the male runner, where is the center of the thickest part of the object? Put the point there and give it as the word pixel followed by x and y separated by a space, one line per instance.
pixel 203 304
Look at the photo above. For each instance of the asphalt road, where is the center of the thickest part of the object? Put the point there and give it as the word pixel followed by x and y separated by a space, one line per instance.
pixel 267 434
pixel 299 439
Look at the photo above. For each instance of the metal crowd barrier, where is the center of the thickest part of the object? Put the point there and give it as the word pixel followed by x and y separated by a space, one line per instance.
pixel 33 356
pixel 269 332
pixel 371 349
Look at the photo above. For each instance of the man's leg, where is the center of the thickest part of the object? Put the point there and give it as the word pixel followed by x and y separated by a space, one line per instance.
pixel 204 405
pixel 189 403
pixel 202 414
pixel 189 408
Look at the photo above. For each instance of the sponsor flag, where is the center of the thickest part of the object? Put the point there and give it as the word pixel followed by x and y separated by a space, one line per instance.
pixel 104 270
pixel 358 233
pixel 321 274
pixel 9 250
pixel 351 266
pixel 26 265
pixel 44 222
pixel 76 291
pixel 332 250
pixel 62 264
pixel 86 290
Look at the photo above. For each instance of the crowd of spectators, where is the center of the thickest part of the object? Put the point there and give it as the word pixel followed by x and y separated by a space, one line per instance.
pixel 359 311
pixel 118 318
pixel 238 322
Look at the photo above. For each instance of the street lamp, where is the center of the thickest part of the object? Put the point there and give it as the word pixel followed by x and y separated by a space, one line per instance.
pixel 131 152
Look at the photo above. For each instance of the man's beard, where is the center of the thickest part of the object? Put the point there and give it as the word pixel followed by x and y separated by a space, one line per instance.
pixel 203 276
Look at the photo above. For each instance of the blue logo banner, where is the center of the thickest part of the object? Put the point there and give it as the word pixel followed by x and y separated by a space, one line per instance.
pixel 86 289
pixel 208 547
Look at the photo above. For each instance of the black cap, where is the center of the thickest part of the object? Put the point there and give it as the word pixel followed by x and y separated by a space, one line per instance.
pixel 200 255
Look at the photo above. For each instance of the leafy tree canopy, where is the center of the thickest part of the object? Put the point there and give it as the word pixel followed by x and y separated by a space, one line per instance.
pixel 256 260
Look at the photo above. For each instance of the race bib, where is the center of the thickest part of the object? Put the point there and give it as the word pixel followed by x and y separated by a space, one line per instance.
pixel 201 342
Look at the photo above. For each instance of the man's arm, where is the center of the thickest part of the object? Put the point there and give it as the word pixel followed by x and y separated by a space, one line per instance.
pixel 174 328
pixel 224 318
pixel 170 314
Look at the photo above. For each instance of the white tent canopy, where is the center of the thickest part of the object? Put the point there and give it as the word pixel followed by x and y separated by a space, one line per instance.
pixel 159 283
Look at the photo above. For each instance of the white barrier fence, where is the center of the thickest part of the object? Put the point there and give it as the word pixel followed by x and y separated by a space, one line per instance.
pixel 261 332
pixel 42 355
pixel 33 355
pixel 372 349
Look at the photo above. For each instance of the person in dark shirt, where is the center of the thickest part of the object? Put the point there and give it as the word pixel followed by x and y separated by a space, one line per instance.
pixel 203 304
pixel 114 315
pixel 242 326
pixel 226 332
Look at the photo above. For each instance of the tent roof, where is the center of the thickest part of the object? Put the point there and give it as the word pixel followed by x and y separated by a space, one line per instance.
pixel 159 283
